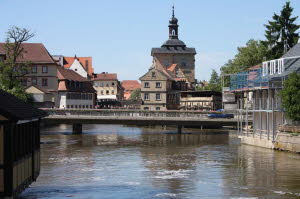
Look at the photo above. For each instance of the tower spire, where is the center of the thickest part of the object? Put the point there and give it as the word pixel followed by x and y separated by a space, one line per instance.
pixel 173 12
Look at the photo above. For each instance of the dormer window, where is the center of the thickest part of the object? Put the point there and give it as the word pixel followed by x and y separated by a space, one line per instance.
pixel 153 74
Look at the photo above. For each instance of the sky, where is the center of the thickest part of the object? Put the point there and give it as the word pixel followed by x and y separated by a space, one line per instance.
pixel 119 34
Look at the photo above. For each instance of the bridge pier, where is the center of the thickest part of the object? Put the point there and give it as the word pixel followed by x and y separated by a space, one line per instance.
pixel 179 129
pixel 77 128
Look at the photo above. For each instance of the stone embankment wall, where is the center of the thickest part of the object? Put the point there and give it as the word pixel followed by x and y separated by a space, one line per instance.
pixel 287 142
pixel 283 141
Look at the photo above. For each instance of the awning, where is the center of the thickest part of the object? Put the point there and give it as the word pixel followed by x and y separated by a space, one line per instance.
pixel 106 97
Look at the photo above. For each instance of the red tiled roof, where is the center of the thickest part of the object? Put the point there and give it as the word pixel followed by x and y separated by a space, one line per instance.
pixel 105 76
pixel 172 67
pixel 86 62
pixel 67 74
pixel 33 52
pixel 130 85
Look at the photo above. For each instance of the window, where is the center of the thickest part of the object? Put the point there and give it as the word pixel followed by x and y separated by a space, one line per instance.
pixel 75 69
pixel 153 74
pixel 79 106
pixel 33 81
pixel 146 108
pixel 158 85
pixel 101 92
pixel 113 83
pixel 91 106
pixel 24 81
pixel 107 92
pixel 68 96
pixel 112 92
pixel 157 108
pixel 146 85
pixel 75 106
pixel 45 69
pixel 68 106
pixel 146 96
pixel 44 82
pixel 173 32
pixel 96 84
pixel 101 84
pixel 34 69
pixel 107 84
pixel 71 106
pixel 157 96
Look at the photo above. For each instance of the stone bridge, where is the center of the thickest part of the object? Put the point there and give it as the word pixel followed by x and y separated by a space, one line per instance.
pixel 134 117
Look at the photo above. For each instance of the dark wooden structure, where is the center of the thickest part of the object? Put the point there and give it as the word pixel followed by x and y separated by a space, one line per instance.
pixel 19 144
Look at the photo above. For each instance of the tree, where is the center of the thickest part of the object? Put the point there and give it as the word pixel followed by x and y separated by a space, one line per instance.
pixel 214 83
pixel 250 55
pixel 290 96
pixel 11 72
pixel 281 32
pixel 136 94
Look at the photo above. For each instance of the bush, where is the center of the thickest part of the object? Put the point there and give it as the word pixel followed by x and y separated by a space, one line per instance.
pixel 290 96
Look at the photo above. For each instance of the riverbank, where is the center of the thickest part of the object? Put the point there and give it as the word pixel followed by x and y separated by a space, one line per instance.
pixel 283 141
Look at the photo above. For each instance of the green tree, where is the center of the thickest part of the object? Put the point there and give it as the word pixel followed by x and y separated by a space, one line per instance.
pixel 214 83
pixel 290 96
pixel 281 33
pixel 11 72
pixel 250 55
pixel 136 94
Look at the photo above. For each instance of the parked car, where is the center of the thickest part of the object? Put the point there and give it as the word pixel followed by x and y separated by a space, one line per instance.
pixel 219 114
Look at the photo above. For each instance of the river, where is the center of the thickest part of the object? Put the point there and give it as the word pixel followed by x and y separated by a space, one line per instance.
pixel 130 162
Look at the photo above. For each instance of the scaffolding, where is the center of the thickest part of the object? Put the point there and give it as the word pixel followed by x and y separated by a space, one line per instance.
pixel 259 111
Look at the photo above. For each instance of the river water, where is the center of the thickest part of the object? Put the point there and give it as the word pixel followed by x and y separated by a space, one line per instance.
pixel 129 162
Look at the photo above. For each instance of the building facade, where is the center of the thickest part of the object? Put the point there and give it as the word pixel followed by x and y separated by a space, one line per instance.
pixel 42 71
pixel 172 71
pixel 75 91
pixel 108 87
pixel 201 100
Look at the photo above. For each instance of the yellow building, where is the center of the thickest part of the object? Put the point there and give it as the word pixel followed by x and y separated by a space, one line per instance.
pixel 108 87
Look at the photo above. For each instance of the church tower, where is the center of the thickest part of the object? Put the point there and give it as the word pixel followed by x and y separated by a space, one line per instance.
pixel 174 51
pixel 173 26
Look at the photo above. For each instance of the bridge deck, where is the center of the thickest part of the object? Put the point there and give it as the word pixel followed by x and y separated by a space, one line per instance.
pixel 136 117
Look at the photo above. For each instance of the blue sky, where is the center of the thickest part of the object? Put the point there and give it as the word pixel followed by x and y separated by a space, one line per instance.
pixel 119 34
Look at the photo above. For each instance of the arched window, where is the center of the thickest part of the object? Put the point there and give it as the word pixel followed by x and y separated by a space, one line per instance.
pixel 173 32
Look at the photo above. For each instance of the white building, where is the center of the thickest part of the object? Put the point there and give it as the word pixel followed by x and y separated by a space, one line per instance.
pixel 75 91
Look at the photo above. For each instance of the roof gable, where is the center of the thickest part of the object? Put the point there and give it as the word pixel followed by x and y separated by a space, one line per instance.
pixel 86 62
pixel 68 74
pixel 159 75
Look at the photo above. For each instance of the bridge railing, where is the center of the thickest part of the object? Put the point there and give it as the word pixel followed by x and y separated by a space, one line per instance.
pixel 126 113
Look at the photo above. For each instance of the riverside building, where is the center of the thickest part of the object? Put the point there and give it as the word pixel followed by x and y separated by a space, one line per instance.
pixel 172 71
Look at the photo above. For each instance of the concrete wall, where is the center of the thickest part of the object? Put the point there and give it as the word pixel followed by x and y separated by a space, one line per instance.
pixel 287 142
pixel 283 141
